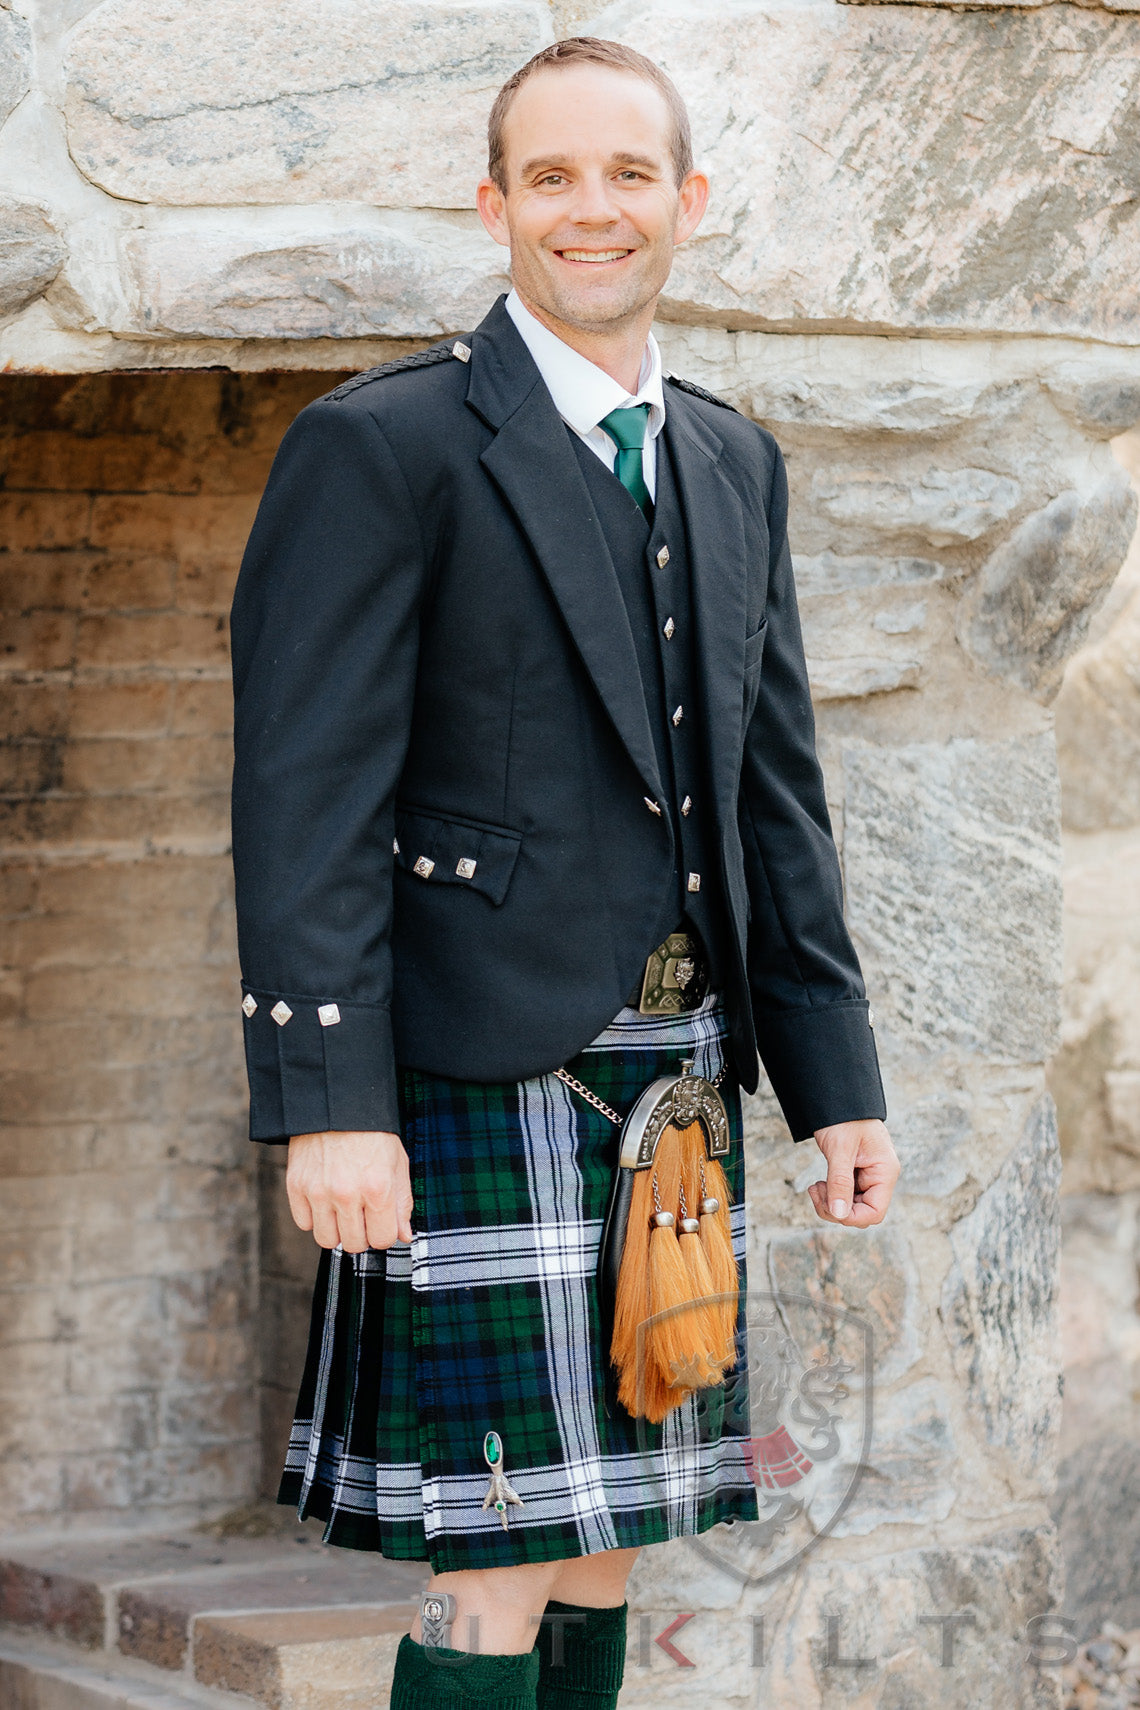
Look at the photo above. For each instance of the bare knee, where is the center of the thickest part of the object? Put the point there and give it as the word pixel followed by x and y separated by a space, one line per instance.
pixel 594 1582
pixel 497 1610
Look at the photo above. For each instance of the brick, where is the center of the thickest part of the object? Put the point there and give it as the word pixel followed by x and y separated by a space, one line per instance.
pixel 120 709
pixel 216 1300
pixel 160 523
pixel 150 639
pixel 159 1477
pixel 55 1602
pixel 119 887
pixel 59 1423
pixel 27 1259
pixel 341 1656
pixel 186 1245
pixel 102 462
pixel 109 765
pixel 30 1485
pixel 45 1150
pixel 43 521
pixel 17 890
pixel 206 584
pixel 11 996
pixel 202 708
pixel 194 989
pixel 30 580
pixel 39 641
pixel 131 582
pixel 215 1413
pixel 34 709
pixel 30 768
pixel 134 826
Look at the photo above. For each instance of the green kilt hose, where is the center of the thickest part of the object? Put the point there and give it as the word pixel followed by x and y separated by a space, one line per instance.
pixel 490 1322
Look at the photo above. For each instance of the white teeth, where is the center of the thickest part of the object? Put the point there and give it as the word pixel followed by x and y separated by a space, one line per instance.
pixel 595 254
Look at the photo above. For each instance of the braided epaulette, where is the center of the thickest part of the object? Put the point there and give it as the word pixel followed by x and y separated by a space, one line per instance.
pixel 418 359
pixel 699 392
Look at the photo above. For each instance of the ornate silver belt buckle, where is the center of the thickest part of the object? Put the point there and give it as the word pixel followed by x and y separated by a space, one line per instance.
pixel 675 981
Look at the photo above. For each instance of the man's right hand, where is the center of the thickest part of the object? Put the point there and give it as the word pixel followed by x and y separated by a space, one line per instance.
pixel 352 1190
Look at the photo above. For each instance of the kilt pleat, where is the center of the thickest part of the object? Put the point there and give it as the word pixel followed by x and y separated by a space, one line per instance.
pixel 489 1321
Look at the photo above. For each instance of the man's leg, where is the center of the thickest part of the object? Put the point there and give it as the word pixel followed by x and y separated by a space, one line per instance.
pixel 491 1656
pixel 581 1643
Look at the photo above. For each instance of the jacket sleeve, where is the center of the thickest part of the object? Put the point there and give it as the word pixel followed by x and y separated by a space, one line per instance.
pixel 813 1025
pixel 325 627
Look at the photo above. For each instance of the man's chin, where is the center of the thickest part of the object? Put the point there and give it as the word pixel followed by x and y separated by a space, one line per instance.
pixel 593 309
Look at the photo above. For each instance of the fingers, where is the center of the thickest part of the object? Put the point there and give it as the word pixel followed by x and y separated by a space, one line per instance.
pixel 353 1190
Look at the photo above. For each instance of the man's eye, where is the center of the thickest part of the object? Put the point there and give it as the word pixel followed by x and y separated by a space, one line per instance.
pixel 552 178
pixel 630 173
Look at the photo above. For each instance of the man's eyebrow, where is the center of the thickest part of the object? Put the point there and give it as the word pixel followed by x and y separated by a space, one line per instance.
pixel 557 162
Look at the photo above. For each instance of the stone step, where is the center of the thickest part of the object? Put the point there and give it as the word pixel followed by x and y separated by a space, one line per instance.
pixel 285 1621
pixel 55 1676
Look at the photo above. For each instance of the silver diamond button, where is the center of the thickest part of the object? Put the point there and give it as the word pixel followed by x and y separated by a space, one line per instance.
pixel 687 806
pixel 678 715
pixel 249 1004
pixel 462 351
pixel 870 1018
pixel 281 1012
pixel 424 867
pixel 328 1015
pixel 670 627
pixel 663 558
pixel 395 845
pixel 465 868
pixel 694 881
pixel 651 805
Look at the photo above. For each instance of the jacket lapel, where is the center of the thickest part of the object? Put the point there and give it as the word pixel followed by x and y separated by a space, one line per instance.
pixel 532 462
pixel 714 522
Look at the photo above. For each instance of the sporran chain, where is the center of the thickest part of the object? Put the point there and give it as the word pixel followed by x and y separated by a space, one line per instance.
pixel 600 1105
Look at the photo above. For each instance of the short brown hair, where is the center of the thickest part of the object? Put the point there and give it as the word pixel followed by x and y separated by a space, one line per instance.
pixel 591 50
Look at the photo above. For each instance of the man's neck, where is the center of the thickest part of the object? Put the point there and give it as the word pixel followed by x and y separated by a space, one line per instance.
pixel 618 352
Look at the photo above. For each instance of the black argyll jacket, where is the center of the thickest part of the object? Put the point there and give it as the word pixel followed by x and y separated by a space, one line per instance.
pixel 433 665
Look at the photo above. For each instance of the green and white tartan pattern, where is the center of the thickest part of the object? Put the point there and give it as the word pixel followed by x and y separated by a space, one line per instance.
pixel 489 1321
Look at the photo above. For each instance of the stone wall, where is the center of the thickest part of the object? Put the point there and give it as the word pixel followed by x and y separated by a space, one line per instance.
pixel 919 271
pixel 127 1221
pixel 1095 1078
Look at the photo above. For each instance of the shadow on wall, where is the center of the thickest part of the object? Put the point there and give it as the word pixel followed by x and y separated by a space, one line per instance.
pixel 1095 1079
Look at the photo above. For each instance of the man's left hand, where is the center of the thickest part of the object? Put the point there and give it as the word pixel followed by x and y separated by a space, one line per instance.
pixel 862 1169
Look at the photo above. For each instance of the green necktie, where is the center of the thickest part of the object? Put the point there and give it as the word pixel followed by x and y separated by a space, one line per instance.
pixel 627 429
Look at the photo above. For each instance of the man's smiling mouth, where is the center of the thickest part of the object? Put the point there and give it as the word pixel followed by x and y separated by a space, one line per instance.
pixel 593 255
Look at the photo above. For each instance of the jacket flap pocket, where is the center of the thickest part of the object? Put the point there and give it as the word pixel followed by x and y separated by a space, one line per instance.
pixel 754 646
pixel 441 850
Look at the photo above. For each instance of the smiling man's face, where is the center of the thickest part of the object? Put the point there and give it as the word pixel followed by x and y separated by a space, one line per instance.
pixel 592 210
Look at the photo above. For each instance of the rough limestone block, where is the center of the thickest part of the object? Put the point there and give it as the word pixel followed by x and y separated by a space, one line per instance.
pixel 1030 606
pixel 908 1476
pixel 15 59
pixel 867 1272
pixel 999 1302
pixel 31 253
pixel 381 282
pixel 942 507
pixel 907 166
pixel 929 1629
pixel 954 892
pixel 223 101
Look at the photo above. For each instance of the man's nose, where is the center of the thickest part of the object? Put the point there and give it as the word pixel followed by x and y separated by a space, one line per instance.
pixel 595 203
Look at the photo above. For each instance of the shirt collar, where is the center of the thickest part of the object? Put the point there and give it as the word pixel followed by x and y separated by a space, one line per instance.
pixel 583 393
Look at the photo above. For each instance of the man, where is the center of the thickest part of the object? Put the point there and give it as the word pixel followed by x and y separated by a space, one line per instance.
pixel 521 694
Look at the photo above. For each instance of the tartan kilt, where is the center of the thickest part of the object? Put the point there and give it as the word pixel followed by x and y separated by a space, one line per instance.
pixel 489 1321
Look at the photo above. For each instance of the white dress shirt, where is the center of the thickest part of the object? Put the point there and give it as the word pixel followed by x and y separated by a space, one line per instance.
pixel 583 393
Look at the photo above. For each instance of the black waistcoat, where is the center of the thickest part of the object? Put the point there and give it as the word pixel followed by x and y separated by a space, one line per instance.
pixel 651 561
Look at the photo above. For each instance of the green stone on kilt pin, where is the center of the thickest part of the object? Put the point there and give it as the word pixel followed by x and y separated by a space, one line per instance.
pixel 499 1492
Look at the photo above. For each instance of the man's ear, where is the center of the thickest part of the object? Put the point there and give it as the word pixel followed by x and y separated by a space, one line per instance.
pixel 692 200
pixel 492 206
